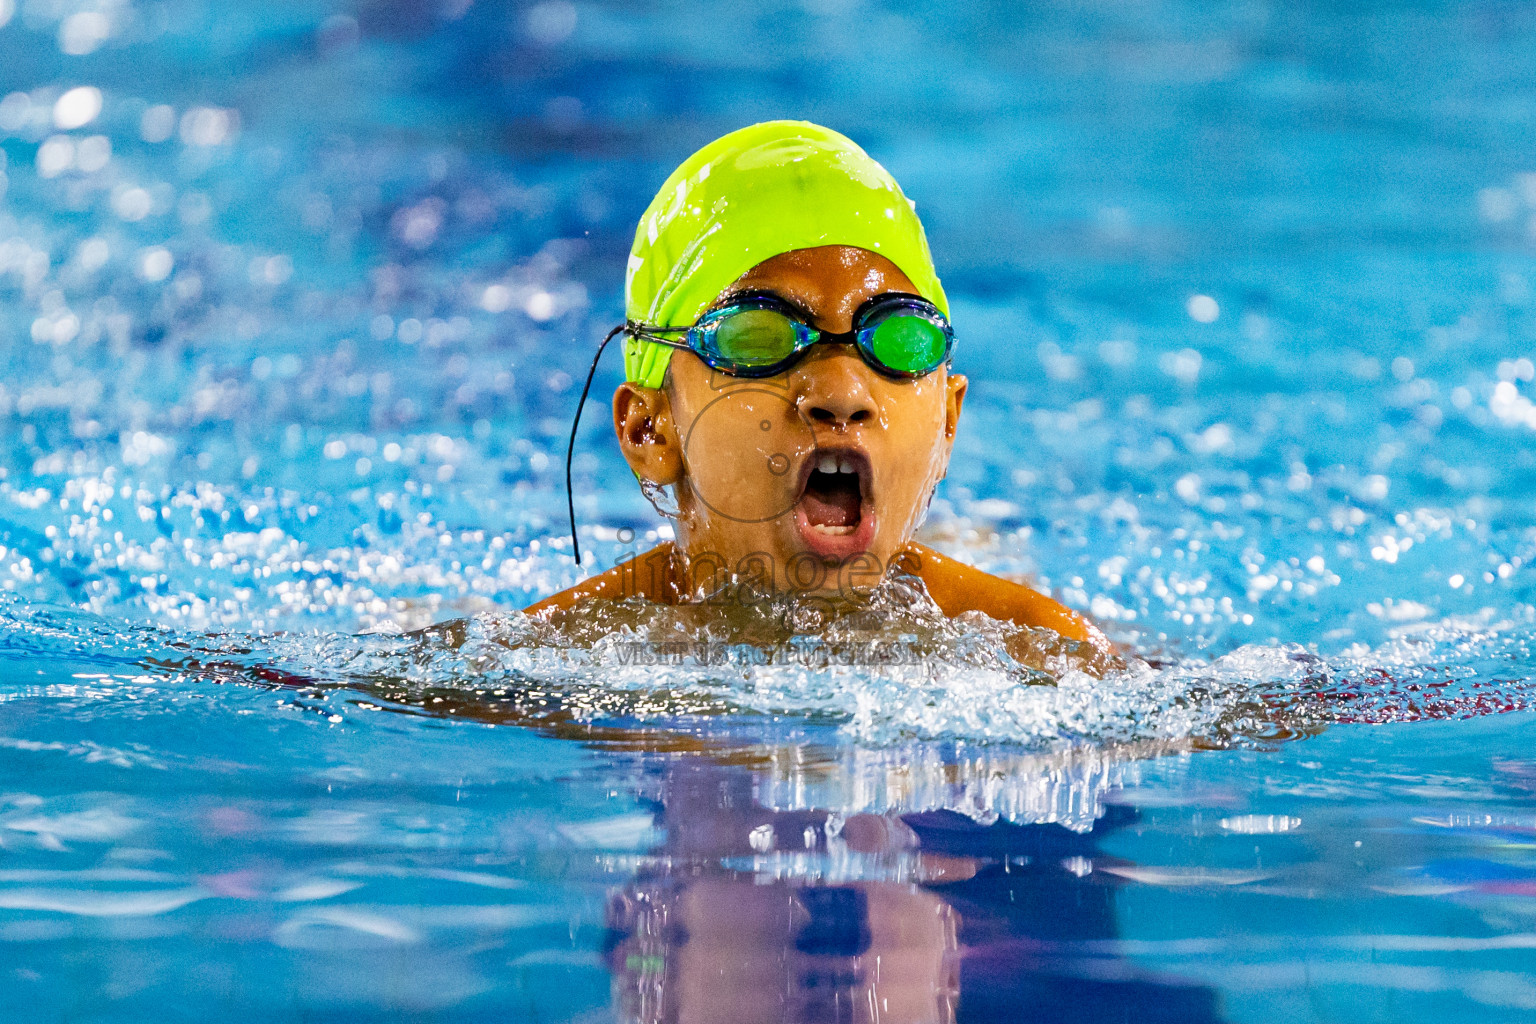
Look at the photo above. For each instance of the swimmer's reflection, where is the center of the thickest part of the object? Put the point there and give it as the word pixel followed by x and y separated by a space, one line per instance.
pixel 933 918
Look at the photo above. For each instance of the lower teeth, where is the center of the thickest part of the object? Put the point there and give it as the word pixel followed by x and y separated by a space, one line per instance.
pixel 836 531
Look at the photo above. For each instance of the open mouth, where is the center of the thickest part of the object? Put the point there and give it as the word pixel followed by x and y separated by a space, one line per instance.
pixel 835 515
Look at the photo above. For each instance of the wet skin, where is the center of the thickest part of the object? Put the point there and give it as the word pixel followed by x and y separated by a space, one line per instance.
pixel 813 480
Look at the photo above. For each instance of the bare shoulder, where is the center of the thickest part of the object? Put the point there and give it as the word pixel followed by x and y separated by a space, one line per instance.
pixel 957 587
pixel 954 586
pixel 648 574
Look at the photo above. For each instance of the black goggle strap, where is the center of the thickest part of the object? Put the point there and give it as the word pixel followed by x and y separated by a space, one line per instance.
pixel 570 449
pixel 645 332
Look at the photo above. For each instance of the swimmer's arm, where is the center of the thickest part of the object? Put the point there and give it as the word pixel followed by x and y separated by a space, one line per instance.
pixel 647 575
pixel 956 587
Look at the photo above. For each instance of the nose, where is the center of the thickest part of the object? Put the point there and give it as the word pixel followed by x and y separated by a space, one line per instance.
pixel 831 388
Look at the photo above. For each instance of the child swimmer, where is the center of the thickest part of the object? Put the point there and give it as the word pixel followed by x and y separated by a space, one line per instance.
pixel 786 349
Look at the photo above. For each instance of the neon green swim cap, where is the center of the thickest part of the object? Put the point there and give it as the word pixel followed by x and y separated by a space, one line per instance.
pixel 749 196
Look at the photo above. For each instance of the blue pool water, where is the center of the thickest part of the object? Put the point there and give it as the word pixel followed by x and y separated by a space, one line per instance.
pixel 295 302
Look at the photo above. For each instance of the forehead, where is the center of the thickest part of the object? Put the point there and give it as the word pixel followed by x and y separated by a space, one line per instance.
pixel 825 280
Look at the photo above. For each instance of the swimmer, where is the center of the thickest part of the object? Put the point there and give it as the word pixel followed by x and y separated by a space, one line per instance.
pixel 789 399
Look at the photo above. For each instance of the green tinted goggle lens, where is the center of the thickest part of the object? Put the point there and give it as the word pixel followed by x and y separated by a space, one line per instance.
pixel 755 337
pixel 908 344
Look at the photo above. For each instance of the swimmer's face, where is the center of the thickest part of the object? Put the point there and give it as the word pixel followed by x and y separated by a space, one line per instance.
pixel 818 475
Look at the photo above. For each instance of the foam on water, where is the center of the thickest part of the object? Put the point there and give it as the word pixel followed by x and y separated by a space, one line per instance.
pixel 900 711
pixel 884 672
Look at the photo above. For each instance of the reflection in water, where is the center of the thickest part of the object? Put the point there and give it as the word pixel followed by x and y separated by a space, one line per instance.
pixel 746 914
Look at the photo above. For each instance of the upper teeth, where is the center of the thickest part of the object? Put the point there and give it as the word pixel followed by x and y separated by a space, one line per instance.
pixel 835 464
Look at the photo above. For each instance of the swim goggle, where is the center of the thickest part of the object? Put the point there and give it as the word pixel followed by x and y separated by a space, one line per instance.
pixel 759 335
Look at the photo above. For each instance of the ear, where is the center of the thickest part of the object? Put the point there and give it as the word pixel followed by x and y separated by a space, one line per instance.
pixel 954 398
pixel 642 419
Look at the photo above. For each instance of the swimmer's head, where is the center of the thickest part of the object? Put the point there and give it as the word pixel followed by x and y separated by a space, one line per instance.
pixel 817 475
pixel 751 195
